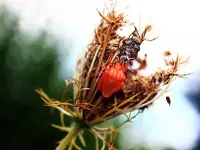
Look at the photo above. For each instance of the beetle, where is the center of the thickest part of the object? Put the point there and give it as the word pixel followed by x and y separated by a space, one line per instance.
pixel 113 76
pixel 131 46
pixel 112 79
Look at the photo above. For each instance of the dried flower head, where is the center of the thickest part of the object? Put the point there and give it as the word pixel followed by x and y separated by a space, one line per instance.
pixel 104 84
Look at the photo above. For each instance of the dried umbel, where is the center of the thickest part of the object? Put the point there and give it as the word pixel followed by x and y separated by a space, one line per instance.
pixel 105 86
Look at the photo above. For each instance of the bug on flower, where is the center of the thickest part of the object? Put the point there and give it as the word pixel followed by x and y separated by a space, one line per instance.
pixel 112 79
pixel 131 46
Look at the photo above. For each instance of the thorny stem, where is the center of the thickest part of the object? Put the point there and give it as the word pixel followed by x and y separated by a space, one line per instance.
pixel 76 128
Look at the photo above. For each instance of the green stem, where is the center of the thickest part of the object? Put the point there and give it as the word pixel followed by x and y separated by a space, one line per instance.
pixel 76 128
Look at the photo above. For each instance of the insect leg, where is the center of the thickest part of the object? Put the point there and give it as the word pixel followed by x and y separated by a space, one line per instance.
pixel 135 33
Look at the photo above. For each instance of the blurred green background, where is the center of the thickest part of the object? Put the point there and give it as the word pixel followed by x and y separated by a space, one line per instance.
pixel 27 63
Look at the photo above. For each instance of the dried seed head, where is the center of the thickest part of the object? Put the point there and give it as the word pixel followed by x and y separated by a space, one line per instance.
pixel 104 87
pixel 107 91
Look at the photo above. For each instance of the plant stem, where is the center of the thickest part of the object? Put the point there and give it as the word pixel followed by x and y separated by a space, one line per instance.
pixel 76 128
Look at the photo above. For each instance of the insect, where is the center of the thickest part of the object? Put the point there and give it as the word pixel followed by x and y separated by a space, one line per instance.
pixel 131 46
pixel 113 76
pixel 168 100
pixel 112 79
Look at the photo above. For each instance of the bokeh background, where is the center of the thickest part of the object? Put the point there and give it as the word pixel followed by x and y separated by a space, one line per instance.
pixel 40 41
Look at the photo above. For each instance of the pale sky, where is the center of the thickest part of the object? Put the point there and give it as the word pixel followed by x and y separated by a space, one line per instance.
pixel 177 24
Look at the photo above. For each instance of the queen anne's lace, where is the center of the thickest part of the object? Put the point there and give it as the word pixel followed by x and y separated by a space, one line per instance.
pixel 104 87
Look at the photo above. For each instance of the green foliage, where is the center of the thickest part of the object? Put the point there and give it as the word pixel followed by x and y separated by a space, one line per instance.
pixel 25 65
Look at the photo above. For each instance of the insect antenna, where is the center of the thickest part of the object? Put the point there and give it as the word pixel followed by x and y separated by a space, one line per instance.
pixel 135 33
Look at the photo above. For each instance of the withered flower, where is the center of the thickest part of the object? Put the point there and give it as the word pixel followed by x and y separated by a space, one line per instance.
pixel 105 86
